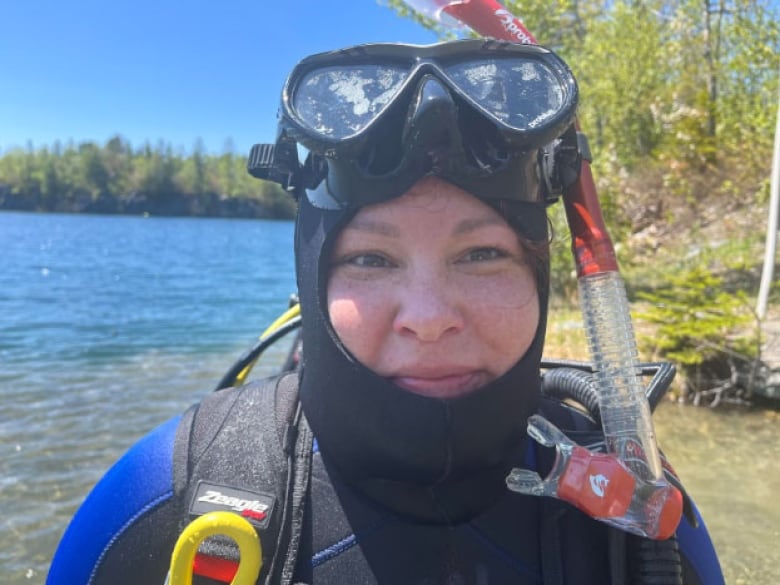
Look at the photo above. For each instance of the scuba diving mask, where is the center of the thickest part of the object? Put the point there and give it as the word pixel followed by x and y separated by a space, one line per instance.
pixel 494 118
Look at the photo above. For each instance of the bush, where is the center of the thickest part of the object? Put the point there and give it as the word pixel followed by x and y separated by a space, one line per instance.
pixel 710 332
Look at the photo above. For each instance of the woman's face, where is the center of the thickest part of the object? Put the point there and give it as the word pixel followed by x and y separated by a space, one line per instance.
pixel 432 291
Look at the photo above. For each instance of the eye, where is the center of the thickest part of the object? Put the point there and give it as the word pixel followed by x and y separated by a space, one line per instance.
pixel 367 260
pixel 483 255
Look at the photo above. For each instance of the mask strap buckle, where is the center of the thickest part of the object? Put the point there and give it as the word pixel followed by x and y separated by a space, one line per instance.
pixel 275 162
pixel 560 162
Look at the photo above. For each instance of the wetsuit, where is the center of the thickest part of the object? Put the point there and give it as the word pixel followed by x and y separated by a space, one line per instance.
pixel 125 531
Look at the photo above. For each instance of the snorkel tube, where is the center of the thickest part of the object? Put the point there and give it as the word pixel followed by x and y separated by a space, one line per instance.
pixel 625 487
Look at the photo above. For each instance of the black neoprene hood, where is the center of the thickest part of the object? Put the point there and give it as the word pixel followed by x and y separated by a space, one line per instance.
pixel 438 460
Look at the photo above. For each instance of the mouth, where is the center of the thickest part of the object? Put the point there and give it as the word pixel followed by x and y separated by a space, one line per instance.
pixel 449 385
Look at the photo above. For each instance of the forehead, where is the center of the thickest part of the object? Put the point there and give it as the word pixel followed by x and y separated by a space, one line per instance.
pixel 430 199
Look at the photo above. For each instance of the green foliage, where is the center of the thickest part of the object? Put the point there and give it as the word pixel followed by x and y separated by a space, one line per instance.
pixel 698 322
pixel 563 276
pixel 621 79
pixel 54 178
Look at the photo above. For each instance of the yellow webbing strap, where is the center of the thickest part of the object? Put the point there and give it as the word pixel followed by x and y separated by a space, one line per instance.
pixel 289 314
pixel 213 523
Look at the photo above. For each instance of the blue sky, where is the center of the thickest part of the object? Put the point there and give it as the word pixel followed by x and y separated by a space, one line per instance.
pixel 159 69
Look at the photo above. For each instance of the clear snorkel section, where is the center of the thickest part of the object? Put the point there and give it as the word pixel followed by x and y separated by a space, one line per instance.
pixel 626 486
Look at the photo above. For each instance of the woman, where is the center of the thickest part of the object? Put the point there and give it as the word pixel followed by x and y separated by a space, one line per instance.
pixel 421 258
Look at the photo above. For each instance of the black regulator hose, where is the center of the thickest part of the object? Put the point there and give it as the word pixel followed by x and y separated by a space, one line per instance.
pixel 570 379
pixel 578 385
pixel 648 562
pixel 253 353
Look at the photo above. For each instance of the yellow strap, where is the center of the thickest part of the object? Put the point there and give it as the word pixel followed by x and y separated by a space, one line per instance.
pixel 288 315
pixel 225 523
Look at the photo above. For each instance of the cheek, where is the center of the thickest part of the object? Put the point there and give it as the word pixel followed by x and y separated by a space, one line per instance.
pixel 507 318
pixel 345 317
pixel 516 329
pixel 359 317
pixel 511 293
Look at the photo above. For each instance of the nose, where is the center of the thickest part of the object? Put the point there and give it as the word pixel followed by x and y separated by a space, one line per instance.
pixel 428 310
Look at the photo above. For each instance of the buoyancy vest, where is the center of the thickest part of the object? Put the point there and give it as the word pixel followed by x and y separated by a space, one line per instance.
pixel 250 450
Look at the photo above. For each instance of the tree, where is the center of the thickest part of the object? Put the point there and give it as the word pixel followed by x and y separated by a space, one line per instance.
pixel 156 169
pixel 95 175
pixel 51 184
pixel 118 161
pixel 227 169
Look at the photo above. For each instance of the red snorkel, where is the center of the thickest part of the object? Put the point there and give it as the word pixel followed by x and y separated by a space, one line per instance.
pixel 625 487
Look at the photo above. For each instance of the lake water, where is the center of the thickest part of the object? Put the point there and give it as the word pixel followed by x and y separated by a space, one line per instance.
pixel 110 325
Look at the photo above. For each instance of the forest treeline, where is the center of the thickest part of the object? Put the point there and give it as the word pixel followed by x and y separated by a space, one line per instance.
pixel 116 178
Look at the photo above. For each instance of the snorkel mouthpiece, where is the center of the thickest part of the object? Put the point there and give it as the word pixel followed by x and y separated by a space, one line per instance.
pixel 601 485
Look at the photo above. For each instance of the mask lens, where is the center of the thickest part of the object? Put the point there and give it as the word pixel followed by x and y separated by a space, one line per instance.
pixel 340 101
pixel 522 93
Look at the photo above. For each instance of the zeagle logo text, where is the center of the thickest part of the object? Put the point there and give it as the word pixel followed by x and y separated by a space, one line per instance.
pixel 252 508
pixel 256 507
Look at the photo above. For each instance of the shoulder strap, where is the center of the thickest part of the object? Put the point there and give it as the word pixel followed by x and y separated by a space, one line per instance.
pixel 298 443
pixel 248 450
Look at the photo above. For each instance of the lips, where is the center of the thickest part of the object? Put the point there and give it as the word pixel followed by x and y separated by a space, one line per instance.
pixel 441 384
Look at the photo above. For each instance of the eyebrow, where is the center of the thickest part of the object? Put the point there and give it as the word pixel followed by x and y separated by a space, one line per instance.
pixel 374 227
pixel 469 225
pixel 392 231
